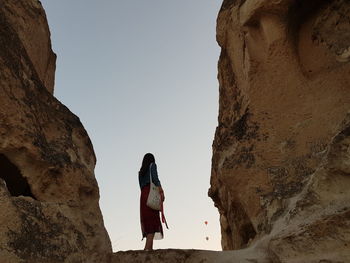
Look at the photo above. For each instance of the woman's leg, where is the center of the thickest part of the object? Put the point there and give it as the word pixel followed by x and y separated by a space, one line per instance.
pixel 149 242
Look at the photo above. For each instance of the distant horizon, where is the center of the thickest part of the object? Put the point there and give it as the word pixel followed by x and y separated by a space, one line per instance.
pixel 142 77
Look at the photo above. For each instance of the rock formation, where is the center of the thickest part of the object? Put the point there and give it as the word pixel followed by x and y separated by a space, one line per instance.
pixel 187 256
pixel 281 154
pixel 48 193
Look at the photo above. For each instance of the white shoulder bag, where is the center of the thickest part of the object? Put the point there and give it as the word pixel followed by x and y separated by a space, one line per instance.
pixel 153 200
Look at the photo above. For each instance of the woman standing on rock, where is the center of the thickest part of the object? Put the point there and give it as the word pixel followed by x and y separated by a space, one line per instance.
pixel 150 221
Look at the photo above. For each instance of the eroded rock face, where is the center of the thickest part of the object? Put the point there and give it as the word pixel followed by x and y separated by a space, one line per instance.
pixel 48 193
pixel 28 20
pixel 281 162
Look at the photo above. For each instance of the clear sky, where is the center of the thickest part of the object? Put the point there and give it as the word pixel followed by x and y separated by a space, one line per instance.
pixel 142 77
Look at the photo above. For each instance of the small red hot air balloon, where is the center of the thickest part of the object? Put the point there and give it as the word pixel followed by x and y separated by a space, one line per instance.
pixel 206 222
pixel 207 238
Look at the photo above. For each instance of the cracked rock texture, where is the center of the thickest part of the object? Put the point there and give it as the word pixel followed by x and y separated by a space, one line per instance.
pixel 48 192
pixel 281 153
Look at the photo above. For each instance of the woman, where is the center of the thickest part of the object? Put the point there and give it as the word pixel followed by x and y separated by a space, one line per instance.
pixel 150 222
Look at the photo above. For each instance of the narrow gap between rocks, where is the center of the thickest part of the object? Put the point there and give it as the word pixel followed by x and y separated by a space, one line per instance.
pixel 16 184
pixel 247 232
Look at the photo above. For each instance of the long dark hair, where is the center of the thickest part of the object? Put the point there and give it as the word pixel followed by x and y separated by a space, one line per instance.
pixel 147 160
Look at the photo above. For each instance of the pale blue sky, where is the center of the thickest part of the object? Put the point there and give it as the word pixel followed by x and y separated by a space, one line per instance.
pixel 141 75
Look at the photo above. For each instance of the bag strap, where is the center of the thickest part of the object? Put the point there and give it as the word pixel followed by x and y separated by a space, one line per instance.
pixel 150 173
pixel 163 216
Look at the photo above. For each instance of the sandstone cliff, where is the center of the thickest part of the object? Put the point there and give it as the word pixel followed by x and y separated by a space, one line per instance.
pixel 48 192
pixel 281 154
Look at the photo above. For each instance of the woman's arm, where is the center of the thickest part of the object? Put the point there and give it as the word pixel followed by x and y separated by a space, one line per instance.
pixel 155 178
pixel 156 181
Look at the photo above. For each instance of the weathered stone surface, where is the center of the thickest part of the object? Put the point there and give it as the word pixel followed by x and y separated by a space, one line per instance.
pixel 280 168
pixel 28 20
pixel 189 256
pixel 48 192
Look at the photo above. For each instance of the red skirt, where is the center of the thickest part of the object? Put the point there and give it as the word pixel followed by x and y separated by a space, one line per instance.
pixel 150 220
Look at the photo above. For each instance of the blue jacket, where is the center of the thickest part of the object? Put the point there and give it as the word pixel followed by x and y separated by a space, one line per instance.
pixel 144 179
